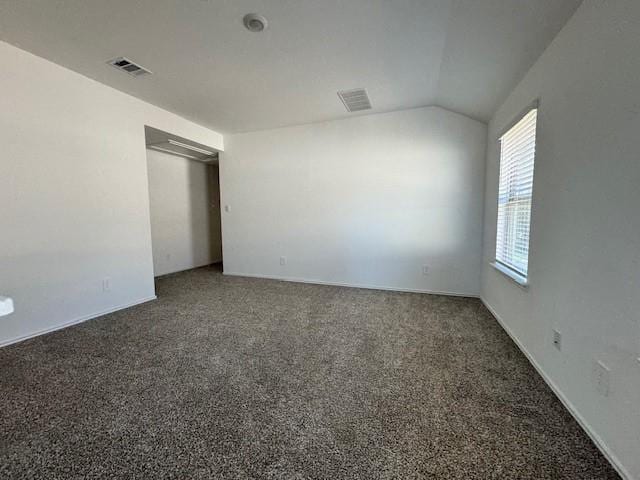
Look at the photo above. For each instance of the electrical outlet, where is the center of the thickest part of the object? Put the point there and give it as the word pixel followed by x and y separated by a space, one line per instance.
pixel 601 378
pixel 283 261
pixel 425 270
pixel 227 208
pixel 106 284
pixel 557 340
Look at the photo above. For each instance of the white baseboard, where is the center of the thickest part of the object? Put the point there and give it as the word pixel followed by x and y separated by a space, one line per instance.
pixel 597 440
pixel 351 285
pixel 84 318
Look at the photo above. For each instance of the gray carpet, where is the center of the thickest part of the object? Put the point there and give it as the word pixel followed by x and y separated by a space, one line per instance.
pixel 226 377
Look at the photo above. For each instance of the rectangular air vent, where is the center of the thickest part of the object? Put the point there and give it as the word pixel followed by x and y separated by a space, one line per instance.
pixel 355 100
pixel 127 66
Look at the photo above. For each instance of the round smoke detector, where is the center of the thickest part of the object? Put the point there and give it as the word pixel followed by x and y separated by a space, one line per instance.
pixel 254 22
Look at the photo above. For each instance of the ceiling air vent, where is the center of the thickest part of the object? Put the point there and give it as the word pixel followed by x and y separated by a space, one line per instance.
pixel 355 100
pixel 128 66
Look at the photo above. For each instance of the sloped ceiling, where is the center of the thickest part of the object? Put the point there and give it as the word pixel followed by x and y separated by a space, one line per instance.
pixel 464 55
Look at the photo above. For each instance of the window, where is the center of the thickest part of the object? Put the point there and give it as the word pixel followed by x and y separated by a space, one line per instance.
pixel 517 155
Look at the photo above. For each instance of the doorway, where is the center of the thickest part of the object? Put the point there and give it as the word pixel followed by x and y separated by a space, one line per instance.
pixel 184 202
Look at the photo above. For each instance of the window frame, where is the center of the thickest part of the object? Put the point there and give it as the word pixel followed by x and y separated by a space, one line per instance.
pixel 505 269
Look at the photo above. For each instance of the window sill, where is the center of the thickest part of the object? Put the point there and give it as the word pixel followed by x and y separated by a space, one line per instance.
pixel 510 274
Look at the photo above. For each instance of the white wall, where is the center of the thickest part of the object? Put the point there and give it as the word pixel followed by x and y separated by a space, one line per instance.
pixel 74 202
pixel 183 197
pixel 585 235
pixel 364 201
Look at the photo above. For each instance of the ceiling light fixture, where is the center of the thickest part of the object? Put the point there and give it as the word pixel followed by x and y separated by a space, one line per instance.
pixel 254 22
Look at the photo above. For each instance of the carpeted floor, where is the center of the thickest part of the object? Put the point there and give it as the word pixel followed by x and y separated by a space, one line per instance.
pixel 226 377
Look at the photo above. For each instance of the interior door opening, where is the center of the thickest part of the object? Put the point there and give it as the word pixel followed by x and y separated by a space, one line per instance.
pixel 184 202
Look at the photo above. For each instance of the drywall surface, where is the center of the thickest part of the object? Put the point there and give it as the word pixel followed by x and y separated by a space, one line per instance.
pixel 585 234
pixel 366 201
pixel 183 198
pixel 74 204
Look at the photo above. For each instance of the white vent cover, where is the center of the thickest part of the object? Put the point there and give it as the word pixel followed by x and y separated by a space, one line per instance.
pixel 127 66
pixel 355 100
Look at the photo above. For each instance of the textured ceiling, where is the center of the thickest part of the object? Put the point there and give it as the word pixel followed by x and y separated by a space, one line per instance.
pixel 464 55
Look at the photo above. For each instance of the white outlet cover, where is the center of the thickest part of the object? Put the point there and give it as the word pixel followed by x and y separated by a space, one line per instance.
pixel 227 208
pixel 283 260
pixel 601 377
pixel 6 306
pixel 557 339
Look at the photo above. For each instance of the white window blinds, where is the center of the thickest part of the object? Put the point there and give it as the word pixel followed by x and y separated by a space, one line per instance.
pixel 517 155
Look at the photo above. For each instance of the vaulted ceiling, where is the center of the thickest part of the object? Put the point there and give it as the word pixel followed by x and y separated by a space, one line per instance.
pixel 464 55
